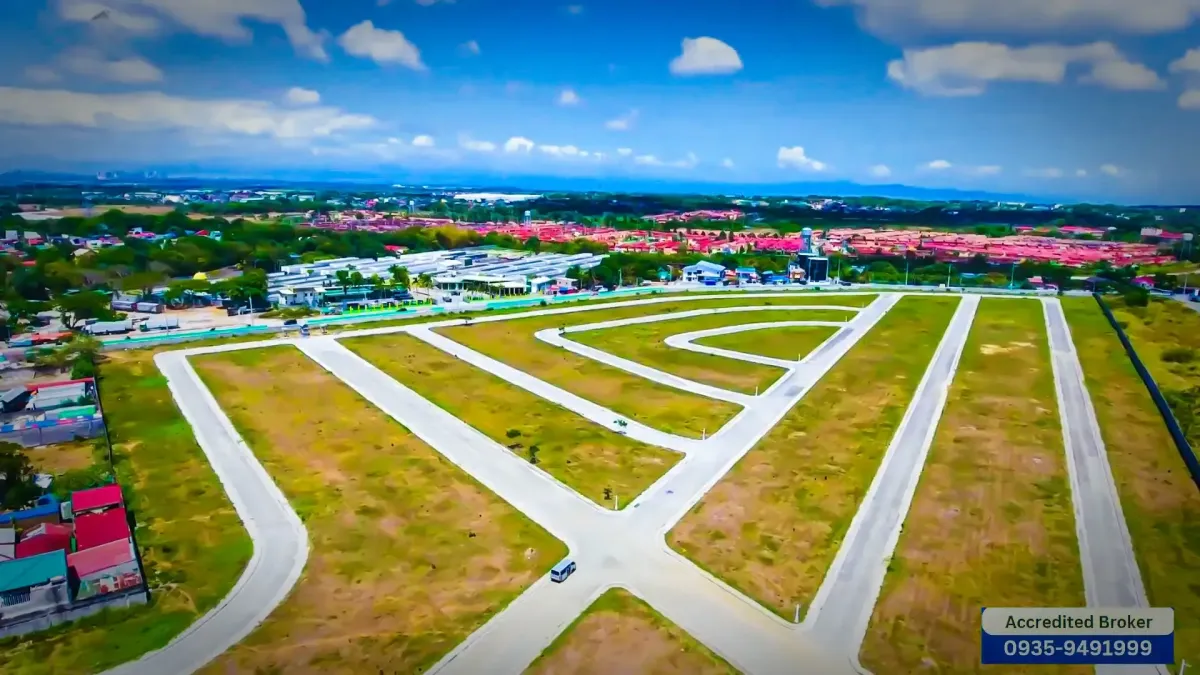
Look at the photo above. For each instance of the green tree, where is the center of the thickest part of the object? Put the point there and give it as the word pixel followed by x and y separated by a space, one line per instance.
pixel 75 307
pixel 17 489
pixel 142 282
pixel 399 275
pixel 378 285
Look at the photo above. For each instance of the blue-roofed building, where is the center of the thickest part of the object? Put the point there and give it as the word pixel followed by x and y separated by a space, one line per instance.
pixel 746 275
pixel 32 587
pixel 44 510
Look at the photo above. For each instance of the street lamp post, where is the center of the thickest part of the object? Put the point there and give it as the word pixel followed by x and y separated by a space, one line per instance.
pixel 949 272
pixel 1012 280
pixel 906 268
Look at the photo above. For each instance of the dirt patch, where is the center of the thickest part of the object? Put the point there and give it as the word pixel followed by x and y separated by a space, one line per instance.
pixel 992 521
pixel 620 634
pixel 60 458
pixel 772 526
pixel 409 554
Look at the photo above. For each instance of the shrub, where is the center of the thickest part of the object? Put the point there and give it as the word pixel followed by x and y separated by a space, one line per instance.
pixel 513 433
pixel 1179 355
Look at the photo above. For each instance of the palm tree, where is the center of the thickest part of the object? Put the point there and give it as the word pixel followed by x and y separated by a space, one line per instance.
pixel 399 275
pixel 342 277
pixel 377 285
pixel 424 280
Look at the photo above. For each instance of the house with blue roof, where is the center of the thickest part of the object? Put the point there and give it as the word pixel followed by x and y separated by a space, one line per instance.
pixel 704 272
pixel 31 587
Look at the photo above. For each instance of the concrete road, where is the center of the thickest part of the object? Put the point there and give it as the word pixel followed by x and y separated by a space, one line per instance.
pixel 280 540
pixel 688 341
pixel 842 608
pixel 1110 572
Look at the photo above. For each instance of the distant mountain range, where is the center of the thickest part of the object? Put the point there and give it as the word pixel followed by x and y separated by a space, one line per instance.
pixel 182 178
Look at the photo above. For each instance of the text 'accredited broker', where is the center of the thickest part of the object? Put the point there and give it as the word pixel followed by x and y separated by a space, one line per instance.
pixel 1077 635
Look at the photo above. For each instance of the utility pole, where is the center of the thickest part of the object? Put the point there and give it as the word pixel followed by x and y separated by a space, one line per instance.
pixel 1012 281
pixel 949 272
pixel 906 268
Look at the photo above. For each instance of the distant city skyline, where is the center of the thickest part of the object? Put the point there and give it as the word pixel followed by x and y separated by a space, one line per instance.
pixel 1096 102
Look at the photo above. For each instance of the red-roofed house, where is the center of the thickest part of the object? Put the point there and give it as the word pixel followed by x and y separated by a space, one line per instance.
pixel 95 529
pixel 105 569
pixel 44 538
pixel 96 499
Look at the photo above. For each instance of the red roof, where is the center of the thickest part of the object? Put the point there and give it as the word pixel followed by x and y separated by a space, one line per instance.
pixel 100 558
pixel 92 530
pixel 51 539
pixel 96 498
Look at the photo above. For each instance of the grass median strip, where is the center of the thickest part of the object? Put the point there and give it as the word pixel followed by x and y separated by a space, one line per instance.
pixel 409 554
pixel 772 526
pixel 790 343
pixel 644 344
pixel 659 406
pixel 192 543
pixel 992 522
pixel 596 462
pixel 1159 499
pixel 619 633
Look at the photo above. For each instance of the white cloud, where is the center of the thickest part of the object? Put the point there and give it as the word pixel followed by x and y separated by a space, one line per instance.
pixel 423 141
pixel 381 46
pixel 212 18
pixel 796 157
pixel 562 151
pixel 1081 173
pixel 575 9
pixel 892 17
pixel 938 165
pixel 467 143
pixel 622 123
pixel 1188 63
pixel 1190 99
pixel 302 96
pixel 986 170
pixel 568 97
pixel 647 160
pixel 966 68
pixel 706 56
pixel 42 74
pixel 1048 172
pixel 881 171
pixel 690 160
pixel 727 163
pixel 92 63
pixel 1111 170
pixel 142 110
pixel 1124 76
pixel 518 144
pixel 624 152
pixel 471 47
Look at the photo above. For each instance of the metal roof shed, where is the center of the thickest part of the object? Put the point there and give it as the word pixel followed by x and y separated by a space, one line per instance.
pixel 96 498
pixel 16 575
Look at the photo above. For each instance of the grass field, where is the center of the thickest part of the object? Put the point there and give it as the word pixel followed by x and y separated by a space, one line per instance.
pixel 793 342
pixel 621 634
pixel 409 555
pixel 991 523
pixel 583 455
pixel 191 541
pixel 643 343
pixel 662 407
pixel 1159 499
pixel 61 458
pixel 772 526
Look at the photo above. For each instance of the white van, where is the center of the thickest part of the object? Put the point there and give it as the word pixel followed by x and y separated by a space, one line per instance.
pixel 562 570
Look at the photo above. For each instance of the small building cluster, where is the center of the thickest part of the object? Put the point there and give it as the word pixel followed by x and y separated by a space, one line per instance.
pixel 64 561
pixel 33 415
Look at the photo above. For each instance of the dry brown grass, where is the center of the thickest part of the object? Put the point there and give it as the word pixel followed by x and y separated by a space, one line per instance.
pixel 621 634
pixel 1159 499
pixel 62 457
pixel 992 521
pixel 126 208
pixel 409 555
pixel 581 454
pixel 659 406
pixel 772 526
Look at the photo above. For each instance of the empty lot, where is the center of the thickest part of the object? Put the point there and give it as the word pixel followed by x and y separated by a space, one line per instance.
pixel 409 555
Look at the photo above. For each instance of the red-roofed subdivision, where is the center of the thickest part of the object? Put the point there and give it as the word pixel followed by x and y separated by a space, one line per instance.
pixel 95 529
pixel 106 556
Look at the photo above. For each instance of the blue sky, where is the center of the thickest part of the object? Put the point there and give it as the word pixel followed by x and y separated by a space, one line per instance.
pixel 1095 99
